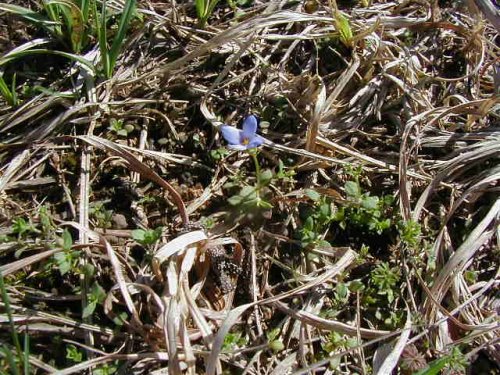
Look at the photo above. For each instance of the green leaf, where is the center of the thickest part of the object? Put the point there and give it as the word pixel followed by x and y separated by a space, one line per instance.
pixel 120 319
pixel 123 26
pixel 273 334
pixel 73 354
pixel 341 291
pixel 313 195
pixel 29 15
pixel 89 309
pixel 63 261
pixel 266 177
pixel 7 93
pixel 67 240
pixel 276 346
pixel 264 204
pixel 200 8
pixel 235 200
pixel 352 189
pixel 344 28
pixel 356 286
pixel 248 192
pixel 370 203
pixel 138 235
pixel 434 367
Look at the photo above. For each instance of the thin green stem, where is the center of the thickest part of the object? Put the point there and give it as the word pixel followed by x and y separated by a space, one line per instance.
pixel 253 154
pixel 6 303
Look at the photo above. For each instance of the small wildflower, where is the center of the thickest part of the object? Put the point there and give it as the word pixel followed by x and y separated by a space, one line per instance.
pixel 243 139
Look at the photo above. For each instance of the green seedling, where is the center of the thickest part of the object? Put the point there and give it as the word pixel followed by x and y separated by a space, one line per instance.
pixel 147 237
pixel 204 9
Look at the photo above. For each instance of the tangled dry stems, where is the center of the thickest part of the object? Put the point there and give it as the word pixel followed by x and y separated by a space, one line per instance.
pixel 412 101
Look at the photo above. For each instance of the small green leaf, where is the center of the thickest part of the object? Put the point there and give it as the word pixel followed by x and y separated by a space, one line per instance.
pixel 120 318
pixel 89 309
pixel 370 203
pixel 264 204
pixel 273 334
pixel 63 261
pixel 73 354
pixel 235 200
pixel 352 189
pixel 138 235
pixel 266 177
pixel 247 192
pixel 341 291
pixel 434 367
pixel 356 286
pixel 67 240
pixel 313 195
pixel 276 346
pixel 97 293
pixel 344 28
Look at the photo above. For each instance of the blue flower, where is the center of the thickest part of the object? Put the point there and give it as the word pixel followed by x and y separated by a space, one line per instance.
pixel 243 139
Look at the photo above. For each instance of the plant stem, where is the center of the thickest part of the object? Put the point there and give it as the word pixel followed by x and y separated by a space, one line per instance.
pixel 6 303
pixel 253 154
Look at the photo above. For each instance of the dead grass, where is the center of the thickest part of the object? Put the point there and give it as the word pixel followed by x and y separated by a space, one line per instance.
pixel 411 100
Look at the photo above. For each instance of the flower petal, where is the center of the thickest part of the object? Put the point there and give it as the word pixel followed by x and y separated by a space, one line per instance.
pixel 237 147
pixel 231 134
pixel 256 141
pixel 250 127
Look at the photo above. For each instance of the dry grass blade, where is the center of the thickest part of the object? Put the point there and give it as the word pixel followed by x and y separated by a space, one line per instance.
pixel 331 325
pixel 13 167
pixel 140 168
pixel 381 135
pixel 391 361
pixel 117 268
pixel 77 369
pixel 235 313
pixel 479 236
pixel 13 267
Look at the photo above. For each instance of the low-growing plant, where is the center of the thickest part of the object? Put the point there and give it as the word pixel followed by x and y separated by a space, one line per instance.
pixel 67 260
pixel 409 232
pixel 147 237
pixel 364 210
pixel 120 128
pixel 234 341
pixel 385 279
pixel 204 9
pixel 73 354
pixel 102 216
pixel 9 93
pixel 23 227
pixel 95 297
pixel 74 24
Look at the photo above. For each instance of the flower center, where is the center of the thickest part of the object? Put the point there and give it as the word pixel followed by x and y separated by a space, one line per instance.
pixel 245 141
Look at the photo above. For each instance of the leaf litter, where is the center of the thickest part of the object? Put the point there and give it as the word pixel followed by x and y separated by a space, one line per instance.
pixel 361 237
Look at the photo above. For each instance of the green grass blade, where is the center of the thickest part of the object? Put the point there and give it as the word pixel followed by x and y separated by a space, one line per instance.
pixel 6 92
pixel 201 7
pixel 28 15
pixel 128 13
pixel 434 367
pixel 85 9
pixel 13 89
pixel 10 358
pixel 73 20
pixel 100 22
pixel 26 358
pixel 6 302
pixel 211 7
pixel 10 57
